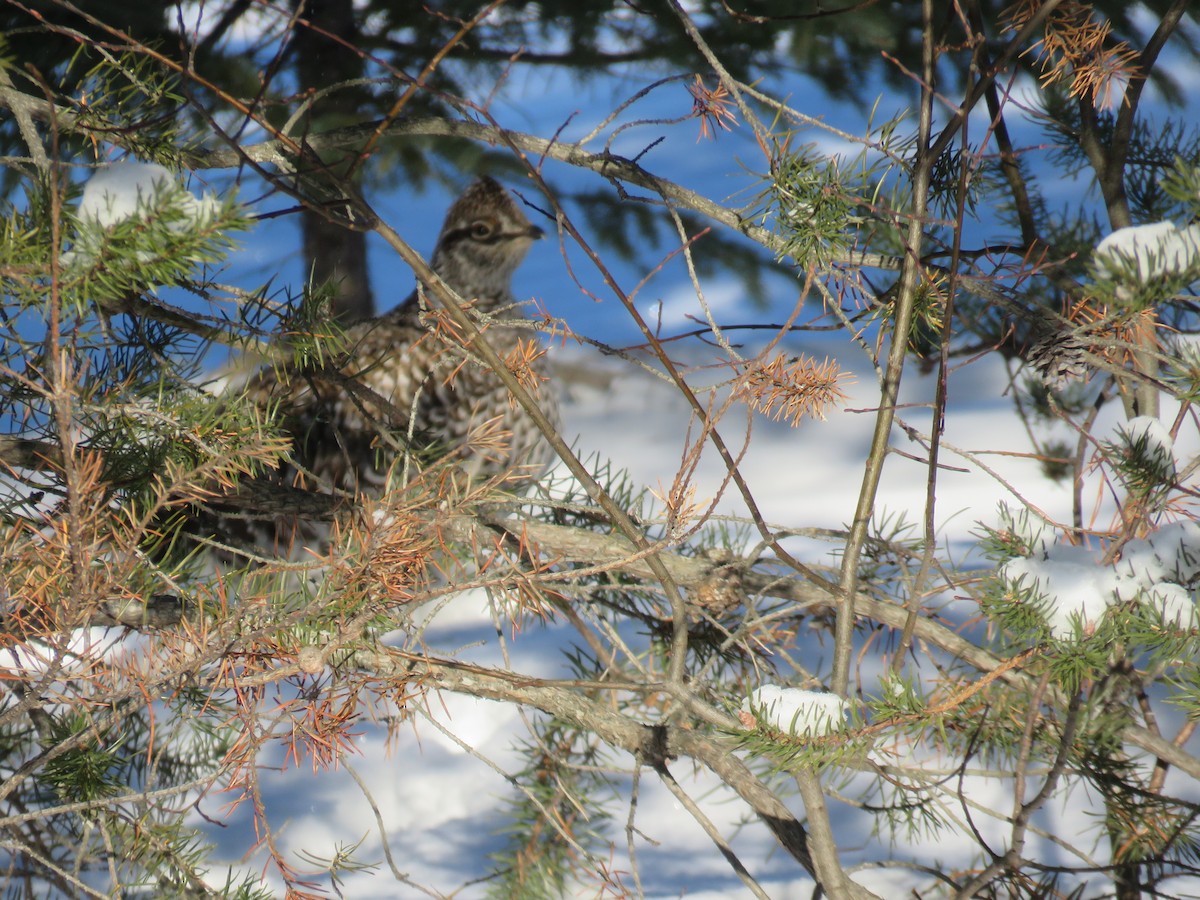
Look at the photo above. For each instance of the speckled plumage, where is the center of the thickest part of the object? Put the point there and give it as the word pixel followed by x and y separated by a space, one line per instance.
pixel 418 388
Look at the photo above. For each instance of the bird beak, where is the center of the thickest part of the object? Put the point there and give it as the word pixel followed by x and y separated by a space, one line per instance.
pixel 535 233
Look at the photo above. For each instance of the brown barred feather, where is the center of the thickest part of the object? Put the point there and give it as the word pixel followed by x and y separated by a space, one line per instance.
pixel 406 383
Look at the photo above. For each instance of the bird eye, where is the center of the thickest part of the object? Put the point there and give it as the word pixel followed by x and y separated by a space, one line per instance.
pixel 481 230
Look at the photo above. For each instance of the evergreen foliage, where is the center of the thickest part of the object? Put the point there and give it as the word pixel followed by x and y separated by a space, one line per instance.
pixel 150 670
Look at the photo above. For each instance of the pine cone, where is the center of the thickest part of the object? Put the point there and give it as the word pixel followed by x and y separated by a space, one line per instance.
pixel 1059 356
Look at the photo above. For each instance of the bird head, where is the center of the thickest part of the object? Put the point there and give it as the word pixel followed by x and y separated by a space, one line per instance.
pixel 484 238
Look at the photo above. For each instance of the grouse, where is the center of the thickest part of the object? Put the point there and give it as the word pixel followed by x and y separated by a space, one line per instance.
pixel 405 386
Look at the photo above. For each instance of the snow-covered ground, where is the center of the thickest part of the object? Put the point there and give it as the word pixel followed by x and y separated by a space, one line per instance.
pixel 441 798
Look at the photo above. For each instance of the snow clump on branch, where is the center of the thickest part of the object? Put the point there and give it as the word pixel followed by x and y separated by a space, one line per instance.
pixel 795 711
pixel 1150 251
pixel 1073 587
pixel 132 190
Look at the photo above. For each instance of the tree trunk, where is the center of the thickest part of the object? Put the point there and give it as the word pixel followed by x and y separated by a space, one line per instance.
pixel 335 256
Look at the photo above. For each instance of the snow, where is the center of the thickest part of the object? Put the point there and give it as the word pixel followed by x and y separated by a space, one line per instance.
pixel 1151 436
pixel 1174 603
pixel 1071 587
pixel 128 189
pixel 442 799
pixel 1150 251
pixel 80 650
pixel 797 711
pixel 122 190
pixel 1074 587
pixel 1034 532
